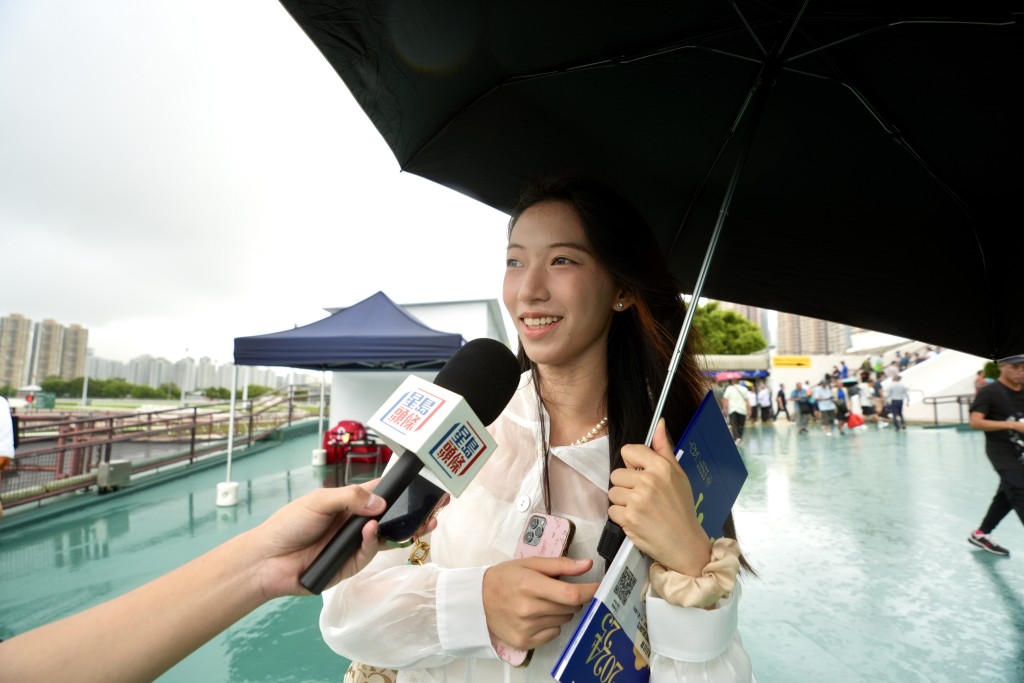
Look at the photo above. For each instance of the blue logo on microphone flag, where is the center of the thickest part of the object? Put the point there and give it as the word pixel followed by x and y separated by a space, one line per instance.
pixel 412 411
pixel 458 449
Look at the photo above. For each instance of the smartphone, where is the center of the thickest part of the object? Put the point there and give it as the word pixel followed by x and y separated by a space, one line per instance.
pixel 414 508
pixel 543 536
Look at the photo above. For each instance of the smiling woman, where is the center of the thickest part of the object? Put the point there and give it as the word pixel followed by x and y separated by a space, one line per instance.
pixel 559 295
pixel 596 313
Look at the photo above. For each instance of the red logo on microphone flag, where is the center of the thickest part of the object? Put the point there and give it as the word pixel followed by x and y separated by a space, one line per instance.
pixel 412 411
pixel 458 449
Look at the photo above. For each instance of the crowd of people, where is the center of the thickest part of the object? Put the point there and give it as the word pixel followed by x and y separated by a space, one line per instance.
pixel 843 399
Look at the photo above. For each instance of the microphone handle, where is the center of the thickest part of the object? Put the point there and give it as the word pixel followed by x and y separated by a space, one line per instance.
pixel 350 536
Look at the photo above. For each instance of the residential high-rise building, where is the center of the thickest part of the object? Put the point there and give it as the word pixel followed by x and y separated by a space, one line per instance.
pixel 15 339
pixel 205 374
pixel 31 352
pixel 73 352
pixel 46 350
pixel 799 335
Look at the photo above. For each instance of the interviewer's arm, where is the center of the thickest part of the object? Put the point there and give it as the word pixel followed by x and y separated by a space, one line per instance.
pixel 160 623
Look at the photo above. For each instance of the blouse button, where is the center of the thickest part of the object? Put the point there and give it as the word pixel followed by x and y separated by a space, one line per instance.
pixel 523 503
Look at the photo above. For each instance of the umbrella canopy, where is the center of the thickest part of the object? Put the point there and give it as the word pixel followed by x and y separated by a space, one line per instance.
pixel 372 334
pixel 727 375
pixel 867 154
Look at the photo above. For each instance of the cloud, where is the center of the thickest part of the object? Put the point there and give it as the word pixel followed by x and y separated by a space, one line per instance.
pixel 176 174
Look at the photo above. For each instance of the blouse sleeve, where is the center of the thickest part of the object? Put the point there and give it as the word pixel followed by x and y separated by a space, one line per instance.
pixel 694 645
pixel 393 614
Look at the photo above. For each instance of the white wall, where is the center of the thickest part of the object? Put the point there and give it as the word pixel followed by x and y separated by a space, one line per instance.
pixel 357 394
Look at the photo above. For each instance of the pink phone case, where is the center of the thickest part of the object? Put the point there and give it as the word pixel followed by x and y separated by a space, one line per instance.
pixel 543 536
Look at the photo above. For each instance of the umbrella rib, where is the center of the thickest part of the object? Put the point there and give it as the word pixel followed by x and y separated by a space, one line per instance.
pixel 893 24
pixel 895 134
pixel 739 115
pixel 749 28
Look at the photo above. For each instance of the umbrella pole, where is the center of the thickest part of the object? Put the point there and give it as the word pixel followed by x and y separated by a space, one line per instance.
pixel 613 538
pixel 758 98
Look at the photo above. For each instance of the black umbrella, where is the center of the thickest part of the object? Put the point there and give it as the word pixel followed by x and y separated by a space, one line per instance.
pixel 867 155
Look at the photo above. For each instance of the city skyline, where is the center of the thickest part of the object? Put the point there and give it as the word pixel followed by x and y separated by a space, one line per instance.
pixel 31 352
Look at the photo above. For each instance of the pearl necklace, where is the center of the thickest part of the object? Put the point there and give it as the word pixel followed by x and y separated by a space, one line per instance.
pixel 591 434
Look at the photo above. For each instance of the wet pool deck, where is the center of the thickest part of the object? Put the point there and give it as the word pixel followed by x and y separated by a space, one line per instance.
pixel 865 573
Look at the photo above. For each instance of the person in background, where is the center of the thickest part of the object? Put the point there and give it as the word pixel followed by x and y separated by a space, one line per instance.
pixel 780 403
pixel 764 403
pixel 898 397
pixel 844 371
pixel 997 410
pixel 980 381
pixel 842 407
pixel 138 636
pixel 735 408
pixel 825 406
pixel 803 407
pixel 6 441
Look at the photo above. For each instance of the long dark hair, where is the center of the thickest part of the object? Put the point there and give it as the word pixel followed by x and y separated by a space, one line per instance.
pixel 642 338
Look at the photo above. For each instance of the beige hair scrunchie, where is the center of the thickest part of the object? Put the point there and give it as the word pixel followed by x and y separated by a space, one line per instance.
pixel 364 673
pixel 716 581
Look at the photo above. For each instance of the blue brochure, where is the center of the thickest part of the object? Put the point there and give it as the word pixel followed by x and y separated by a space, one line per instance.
pixel 610 643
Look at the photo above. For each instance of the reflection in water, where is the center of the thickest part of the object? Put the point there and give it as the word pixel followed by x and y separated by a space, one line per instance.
pixel 79 542
pixel 297 653
pixel 1014 609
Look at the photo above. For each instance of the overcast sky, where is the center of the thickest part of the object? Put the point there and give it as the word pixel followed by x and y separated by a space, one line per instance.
pixel 178 173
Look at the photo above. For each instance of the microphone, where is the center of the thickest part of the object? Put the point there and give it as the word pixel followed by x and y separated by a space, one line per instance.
pixel 440 426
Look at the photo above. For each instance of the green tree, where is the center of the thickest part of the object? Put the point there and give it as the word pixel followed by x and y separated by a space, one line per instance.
pixel 257 390
pixel 55 385
pixel 991 370
pixel 115 387
pixel 7 391
pixel 169 390
pixel 217 393
pixel 727 332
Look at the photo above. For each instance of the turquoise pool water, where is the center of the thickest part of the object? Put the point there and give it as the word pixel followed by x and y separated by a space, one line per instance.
pixel 859 541
pixel 61 565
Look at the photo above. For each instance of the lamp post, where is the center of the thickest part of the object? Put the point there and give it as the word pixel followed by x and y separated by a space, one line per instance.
pixel 85 382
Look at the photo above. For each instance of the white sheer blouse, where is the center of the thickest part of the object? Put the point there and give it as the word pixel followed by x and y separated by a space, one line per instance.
pixel 428 621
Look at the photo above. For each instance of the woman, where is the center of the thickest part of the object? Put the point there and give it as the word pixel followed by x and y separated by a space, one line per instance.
pixel 597 313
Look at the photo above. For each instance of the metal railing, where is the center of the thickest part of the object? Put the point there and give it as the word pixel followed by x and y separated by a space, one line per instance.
pixel 61 452
pixel 961 400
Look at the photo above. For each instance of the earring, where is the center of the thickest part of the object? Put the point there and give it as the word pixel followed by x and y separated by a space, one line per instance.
pixel 619 305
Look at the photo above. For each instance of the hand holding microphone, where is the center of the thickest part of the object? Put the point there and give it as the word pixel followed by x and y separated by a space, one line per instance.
pixel 439 425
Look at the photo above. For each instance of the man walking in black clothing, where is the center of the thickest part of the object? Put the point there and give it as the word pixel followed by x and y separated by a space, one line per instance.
pixel 780 403
pixel 997 410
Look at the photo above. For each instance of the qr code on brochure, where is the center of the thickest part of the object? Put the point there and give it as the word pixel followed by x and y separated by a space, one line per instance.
pixel 624 586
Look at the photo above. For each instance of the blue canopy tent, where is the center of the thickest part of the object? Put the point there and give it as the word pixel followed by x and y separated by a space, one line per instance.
pixel 374 334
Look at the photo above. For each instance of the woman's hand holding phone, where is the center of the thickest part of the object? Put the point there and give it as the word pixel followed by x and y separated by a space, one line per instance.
pixel 525 601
